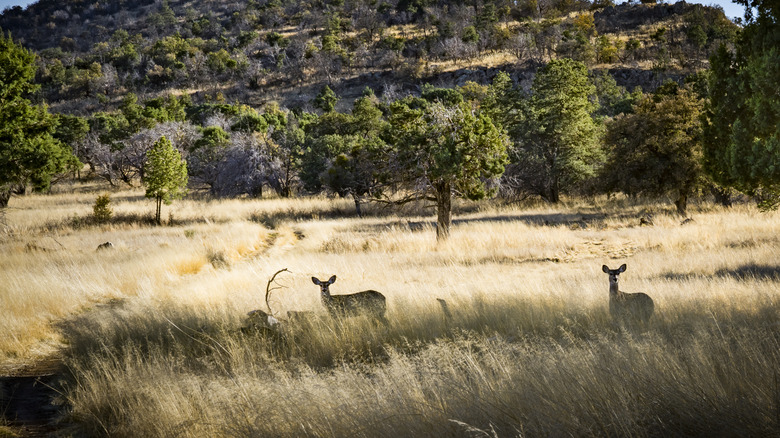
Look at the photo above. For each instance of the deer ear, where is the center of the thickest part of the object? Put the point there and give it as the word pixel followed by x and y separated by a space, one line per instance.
pixel 332 280
pixel 315 281
pixel 605 269
pixel 622 268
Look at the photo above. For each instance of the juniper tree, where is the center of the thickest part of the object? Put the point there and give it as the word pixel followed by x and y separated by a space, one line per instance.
pixel 443 151
pixel 742 127
pixel 29 152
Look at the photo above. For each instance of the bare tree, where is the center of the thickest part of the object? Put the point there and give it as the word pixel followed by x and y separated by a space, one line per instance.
pixel 247 166
pixel 127 164
pixel 520 46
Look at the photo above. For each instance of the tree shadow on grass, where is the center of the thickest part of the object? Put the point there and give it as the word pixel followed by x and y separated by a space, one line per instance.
pixel 750 271
pixel 571 220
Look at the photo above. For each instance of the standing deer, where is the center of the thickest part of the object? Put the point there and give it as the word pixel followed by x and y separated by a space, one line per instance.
pixel 369 302
pixel 626 307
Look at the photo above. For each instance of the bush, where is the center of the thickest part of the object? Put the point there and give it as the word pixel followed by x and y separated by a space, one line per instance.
pixel 102 210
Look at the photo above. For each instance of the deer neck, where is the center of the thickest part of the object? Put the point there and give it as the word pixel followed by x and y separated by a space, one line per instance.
pixel 325 296
pixel 614 291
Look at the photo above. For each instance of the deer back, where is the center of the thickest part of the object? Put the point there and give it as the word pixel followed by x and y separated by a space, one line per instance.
pixel 369 301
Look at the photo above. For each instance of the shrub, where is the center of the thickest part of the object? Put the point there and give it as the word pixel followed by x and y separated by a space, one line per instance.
pixel 102 210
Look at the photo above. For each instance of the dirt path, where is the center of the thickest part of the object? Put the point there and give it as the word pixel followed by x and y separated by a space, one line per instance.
pixel 27 399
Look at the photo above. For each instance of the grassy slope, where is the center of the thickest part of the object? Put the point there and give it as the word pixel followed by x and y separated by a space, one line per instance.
pixel 152 339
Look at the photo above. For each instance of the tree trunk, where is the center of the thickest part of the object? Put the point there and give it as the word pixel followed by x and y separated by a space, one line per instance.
pixel 682 203
pixel 357 205
pixel 553 190
pixel 722 196
pixel 5 196
pixel 443 209
pixel 159 208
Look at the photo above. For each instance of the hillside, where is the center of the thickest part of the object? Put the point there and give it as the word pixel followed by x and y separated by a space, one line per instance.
pixel 93 53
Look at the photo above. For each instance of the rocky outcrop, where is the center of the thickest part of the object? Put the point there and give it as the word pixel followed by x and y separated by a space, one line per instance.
pixel 630 16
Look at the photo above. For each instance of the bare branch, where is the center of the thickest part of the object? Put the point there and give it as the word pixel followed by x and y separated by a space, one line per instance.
pixel 268 288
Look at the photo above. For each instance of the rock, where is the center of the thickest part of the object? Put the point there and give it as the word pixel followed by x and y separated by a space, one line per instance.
pixel 106 245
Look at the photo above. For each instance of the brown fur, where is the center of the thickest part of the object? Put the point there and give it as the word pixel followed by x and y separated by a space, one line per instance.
pixel 627 307
pixel 368 302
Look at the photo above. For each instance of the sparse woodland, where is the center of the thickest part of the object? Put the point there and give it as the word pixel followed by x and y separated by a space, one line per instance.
pixel 476 162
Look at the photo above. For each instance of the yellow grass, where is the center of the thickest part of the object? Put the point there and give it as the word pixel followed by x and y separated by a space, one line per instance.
pixel 151 330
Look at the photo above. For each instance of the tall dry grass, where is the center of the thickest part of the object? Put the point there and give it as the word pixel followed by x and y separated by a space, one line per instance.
pixel 153 340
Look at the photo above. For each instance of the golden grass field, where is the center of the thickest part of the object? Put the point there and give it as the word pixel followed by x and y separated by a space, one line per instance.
pixel 151 340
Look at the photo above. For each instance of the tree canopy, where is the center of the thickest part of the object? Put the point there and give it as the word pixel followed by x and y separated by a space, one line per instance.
pixel 165 175
pixel 445 151
pixel 656 150
pixel 557 146
pixel 29 152
pixel 742 129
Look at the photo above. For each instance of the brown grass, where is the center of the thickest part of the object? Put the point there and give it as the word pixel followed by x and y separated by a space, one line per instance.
pixel 151 331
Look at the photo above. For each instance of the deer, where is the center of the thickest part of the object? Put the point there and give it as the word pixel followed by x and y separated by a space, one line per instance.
pixel 627 307
pixel 368 302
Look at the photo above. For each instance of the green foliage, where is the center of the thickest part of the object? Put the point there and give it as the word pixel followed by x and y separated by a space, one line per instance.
pixel 110 128
pixel 577 41
pixel 613 99
pixel 29 153
pixel 326 100
pixel 277 39
pixel 395 44
pixel 70 129
pixel 134 114
pixel 657 150
pixel 290 138
pixel 606 50
pixel 221 62
pixel 446 96
pixel 250 122
pixel 449 150
pixel 165 174
pixel 113 127
pixel 742 129
pixel 168 108
pixel 505 104
pixel 343 152
pixel 557 147
pixel 470 35
pixel 102 211
pixel 213 137
pixel 200 113
pixel 171 51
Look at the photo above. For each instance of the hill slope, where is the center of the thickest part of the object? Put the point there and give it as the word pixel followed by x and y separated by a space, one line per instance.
pixel 93 53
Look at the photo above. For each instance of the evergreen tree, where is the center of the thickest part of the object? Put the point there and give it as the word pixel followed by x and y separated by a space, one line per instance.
pixel 29 152
pixel 326 100
pixel 557 147
pixel 742 128
pixel 657 150
pixel 165 175
pixel 445 151
pixel 344 150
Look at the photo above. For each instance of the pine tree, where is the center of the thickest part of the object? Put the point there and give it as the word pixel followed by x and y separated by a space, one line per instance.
pixel 558 146
pixel 165 175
